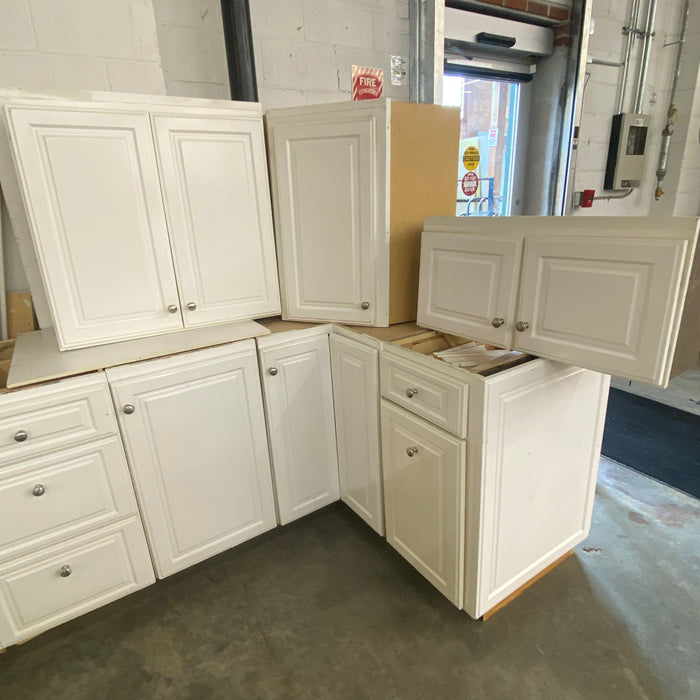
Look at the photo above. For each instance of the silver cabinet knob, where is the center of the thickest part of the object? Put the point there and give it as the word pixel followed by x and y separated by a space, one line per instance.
pixel 65 571
pixel 521 326
pixel 273 371
pixel 128 408
pixel 21 436
pixel 411 393
pixel 411 451
pixel 38 490
pixel 191 306
pixel 497 322
pixel 364 305
pixel 172 308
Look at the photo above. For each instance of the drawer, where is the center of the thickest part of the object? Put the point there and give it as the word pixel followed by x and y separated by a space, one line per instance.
pixel 58 583
pixel 437 398
pixel 54 415
pixel 59 494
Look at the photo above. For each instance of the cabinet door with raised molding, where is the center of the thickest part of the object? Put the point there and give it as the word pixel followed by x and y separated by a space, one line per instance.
pixel 217 201
pixel 328 178
pixel 356 398
pixel 92 194
pixel 299 403
pixel 194 431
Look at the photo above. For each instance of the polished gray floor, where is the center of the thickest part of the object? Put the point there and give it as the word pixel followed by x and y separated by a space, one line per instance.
pixel 324 608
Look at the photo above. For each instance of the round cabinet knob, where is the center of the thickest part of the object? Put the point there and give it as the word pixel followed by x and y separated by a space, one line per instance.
pixel 411 393
pixel 497 322
pixel 364 305
pixel 191 306
pixel 411 451
pixel 172 309
pixel 21 436
pixel 521 326
pixel 38 490
pixel 128 408
pixel 273 371
pixel 65 571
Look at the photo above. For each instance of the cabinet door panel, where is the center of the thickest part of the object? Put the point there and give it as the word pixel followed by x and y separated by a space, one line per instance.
pixel 217 201
pixel 607 304
pixel 356 400
pixel 424 497
pixel 93 200
pixel 299 402
pixel 197 450
pixel 468 285
pixel 328 180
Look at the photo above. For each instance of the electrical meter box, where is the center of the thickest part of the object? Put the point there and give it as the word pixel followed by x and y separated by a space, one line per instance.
pixel 628 140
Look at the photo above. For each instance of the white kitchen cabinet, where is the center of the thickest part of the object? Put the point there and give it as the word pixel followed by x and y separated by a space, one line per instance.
pixel 298 392
pixel 194 432
pixel 92 198
pixel 480 517
pixel 603 293
pixel 136 239
pixel 424 495
pixel 351 184
pixel 355 368
pixel 216 196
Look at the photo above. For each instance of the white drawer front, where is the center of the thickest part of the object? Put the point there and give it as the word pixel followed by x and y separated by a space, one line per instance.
pixel 104 565
pixel 54 415
pixel 439 399
pixel 56 495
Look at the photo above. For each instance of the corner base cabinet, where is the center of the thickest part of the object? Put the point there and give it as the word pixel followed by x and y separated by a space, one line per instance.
pixel 194 432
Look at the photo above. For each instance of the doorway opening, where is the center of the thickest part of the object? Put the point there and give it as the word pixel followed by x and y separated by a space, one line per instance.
pixel 489 108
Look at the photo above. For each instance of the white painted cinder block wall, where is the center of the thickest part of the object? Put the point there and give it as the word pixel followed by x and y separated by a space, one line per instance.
pixel 601 99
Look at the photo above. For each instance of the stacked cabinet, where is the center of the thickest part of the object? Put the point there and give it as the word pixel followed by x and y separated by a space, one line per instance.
pixel 351 185
pixel 603 293
pixel 194 431
pixel 71 538
pixel 146 217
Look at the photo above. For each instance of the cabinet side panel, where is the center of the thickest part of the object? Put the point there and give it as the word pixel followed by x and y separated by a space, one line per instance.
pixel 424 158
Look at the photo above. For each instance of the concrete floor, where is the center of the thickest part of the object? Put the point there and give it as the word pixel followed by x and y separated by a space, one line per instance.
pixel 324 608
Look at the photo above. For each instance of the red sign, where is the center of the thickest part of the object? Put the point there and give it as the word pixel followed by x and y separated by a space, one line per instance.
pixel 367 83
pixel 470 182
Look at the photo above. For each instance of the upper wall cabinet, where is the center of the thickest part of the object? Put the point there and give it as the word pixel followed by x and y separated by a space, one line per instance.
pixel 351 185
pixel 136 240
pixel 604 293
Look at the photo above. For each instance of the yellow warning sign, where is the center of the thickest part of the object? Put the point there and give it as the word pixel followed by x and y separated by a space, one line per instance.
pixel 470 158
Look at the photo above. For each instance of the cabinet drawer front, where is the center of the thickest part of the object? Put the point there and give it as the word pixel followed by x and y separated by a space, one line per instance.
pixel 424 497
pixel 102 566
pixel 439 399
pixel 54 416
pixel 58 494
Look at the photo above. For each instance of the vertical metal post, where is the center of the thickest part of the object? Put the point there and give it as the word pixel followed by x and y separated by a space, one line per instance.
pixel 427 50
pixel 240 58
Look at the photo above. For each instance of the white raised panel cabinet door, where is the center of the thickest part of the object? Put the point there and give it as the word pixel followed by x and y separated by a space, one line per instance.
pixel 468 285
pixel 217 202
pixel 606 303
pixel 301 428
pixel 328 176
pixel 424 497
pixel 356 397
pixel 93 200
pixel 194 433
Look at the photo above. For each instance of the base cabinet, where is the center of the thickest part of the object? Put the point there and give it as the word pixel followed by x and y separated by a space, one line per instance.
pixel 356 398
pixel 299 404
pixel 194 433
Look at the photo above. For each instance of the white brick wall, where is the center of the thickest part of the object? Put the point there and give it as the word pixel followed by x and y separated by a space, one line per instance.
pixel 304 49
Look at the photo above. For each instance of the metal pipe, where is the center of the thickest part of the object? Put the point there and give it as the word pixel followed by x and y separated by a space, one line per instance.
pixel 631 34
pixel 240 58
pixel 648 35
pixel 672 114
